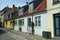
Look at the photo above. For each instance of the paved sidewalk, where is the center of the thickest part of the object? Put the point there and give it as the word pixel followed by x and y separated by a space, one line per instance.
pixel 26 35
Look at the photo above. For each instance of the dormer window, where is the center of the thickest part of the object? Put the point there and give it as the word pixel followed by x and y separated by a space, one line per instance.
pixel 56 1
pixel 31 7
pixel 8 16
pixel 21 11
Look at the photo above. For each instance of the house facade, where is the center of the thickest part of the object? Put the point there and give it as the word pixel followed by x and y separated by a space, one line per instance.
pixel 53 11
pixel 1 17
pixel 17 21
pixel 8 17
pixel 36 14
pixel 45 17
pixel 7 21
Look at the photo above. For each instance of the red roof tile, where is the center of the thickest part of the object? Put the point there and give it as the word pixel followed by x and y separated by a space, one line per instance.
pixel 41 6
pixel 27 12
pixel 16 15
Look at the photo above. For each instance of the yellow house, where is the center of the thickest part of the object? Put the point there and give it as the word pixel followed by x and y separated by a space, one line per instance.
pixel 5 24
pixel 9 24
pixel 53 11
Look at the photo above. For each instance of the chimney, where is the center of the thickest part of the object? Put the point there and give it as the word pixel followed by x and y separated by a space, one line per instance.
pixel 19 7
pixel 27 3
pixel 7 7
pixel 13 5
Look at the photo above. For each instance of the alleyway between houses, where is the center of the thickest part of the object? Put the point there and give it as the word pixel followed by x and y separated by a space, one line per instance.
pixel 7 34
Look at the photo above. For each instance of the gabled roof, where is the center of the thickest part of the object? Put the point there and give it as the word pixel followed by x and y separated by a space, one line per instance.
pixel 41 6
pixel 31 2
pixel 6 9
pixel 15 16
pixel 27 12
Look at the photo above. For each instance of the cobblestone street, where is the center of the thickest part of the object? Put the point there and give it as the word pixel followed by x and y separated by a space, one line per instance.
pixel 6 35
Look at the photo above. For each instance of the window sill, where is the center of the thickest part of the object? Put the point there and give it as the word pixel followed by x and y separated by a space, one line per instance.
pixel 37 26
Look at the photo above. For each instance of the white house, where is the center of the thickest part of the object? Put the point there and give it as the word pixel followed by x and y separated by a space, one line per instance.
pixel 39 19
pixel 21 12
pixel 1 17
pixel 46 17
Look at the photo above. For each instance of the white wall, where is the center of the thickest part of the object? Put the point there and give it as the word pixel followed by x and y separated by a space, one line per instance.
pixel 24 28
pixel 43 27
pixel 38 30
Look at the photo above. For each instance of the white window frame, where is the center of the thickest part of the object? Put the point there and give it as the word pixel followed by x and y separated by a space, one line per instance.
pixel 37 21
pixel 21 22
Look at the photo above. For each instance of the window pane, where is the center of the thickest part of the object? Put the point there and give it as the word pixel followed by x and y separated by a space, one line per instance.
pixel 39 17
pixel 56 0
pixel 15 22
pixel 57 31
pixel 39 20
pixel 8 15
pixel 35 21
pixel 21 22
pixel 57 22
pixel 29 21
pixel 39 23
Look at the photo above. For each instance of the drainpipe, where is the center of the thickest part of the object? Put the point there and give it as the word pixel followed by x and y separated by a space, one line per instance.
pixel 32 25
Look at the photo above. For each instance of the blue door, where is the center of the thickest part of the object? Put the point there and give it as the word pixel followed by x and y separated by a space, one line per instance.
pixel 57 25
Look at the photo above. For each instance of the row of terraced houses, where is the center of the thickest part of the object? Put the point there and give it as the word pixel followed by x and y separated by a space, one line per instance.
pixel 44 13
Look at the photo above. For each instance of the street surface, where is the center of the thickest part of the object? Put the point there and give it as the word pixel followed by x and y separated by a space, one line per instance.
pixel 7 35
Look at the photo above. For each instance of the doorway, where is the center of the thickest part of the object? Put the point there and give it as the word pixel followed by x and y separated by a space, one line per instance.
pixel 57 24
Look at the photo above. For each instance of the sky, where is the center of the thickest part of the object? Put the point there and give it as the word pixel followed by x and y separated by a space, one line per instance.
pixel 9 3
